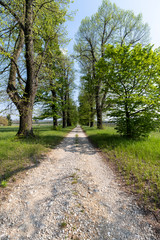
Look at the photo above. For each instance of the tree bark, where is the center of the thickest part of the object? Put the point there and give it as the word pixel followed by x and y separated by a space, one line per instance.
pixel 26 105
pixel 99 118
pixel 68 111
pixel 128 123
pixel 25 126
pixel 63 111
pixel 64 118
pixel 54 107
pixel 92 117
pixel 11 88
pixel 55 122
pixel 98 109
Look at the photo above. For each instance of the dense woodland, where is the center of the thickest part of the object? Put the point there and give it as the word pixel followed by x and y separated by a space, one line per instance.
pixel 119 68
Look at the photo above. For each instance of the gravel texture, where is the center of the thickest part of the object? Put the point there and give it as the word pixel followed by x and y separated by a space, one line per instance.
pixel 73 194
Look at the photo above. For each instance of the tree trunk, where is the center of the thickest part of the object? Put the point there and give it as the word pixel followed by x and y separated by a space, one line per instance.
pixel 68 120
pixel 92 117
pixel 55 122
pixel 25 126
pixel 128 123
pixel 54 108
pixel 63 111
pixel 98 109
pixel 64 118
pixel 68 112
pixel 99 118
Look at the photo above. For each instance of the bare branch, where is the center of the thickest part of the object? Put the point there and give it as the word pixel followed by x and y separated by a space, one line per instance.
pixel 12 59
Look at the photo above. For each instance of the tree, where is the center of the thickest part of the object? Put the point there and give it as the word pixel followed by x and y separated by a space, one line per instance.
pixel 33 27
pixel 66 82
pixel 86 101
pixel 132 75
pixel 3 121
pixel 9 119
pixel 84 110
pixel 110 25
pixel 55 91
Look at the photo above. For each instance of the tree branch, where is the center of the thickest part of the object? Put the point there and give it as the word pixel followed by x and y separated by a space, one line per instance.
pixel 13 14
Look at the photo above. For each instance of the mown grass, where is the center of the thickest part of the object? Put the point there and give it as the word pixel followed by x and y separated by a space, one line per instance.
pixel 18 154
pixel 137 160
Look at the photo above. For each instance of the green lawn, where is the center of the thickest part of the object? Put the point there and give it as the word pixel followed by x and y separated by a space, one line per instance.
pixel 137 160
pixel 17 154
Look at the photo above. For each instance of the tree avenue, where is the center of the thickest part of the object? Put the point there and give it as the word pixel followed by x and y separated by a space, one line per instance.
pixel 27 30
pixel 110 25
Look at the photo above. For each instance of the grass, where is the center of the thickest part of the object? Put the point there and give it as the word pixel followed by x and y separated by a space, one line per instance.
pixel 76 139
pixel 137 160
pixel 18 154
pixel 63 225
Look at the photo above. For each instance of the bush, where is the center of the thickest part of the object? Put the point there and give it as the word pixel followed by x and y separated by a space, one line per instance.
pixel 9 119
pixel 3 121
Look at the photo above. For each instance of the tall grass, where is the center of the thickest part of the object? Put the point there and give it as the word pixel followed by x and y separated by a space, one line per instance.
pixel 18 154
pixel 137 160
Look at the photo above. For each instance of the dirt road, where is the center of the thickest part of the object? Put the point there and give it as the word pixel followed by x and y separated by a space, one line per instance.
pixel 73 194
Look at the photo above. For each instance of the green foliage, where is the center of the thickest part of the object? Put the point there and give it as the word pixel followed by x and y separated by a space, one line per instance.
pixel 132 76
pixel 84 110
pixel 56 87
pixel 86 101
pixel 9 120
pixel 63 225
pixel 3 184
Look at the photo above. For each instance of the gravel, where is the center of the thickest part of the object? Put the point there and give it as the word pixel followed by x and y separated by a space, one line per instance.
pixel 73 194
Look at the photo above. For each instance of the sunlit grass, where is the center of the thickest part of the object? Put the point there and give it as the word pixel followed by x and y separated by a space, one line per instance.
pixel 137 160
pixel 17 154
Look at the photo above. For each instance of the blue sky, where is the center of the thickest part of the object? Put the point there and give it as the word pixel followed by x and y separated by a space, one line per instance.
pixel 150 10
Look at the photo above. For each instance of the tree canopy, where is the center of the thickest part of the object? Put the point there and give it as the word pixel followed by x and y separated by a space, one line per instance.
pixel 132 76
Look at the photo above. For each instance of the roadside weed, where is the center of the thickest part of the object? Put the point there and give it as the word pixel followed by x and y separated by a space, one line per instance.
pixel 4 184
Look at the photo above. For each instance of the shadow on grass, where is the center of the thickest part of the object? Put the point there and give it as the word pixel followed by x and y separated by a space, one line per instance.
pixel 111 141
pixel 8 129
pixel 31 148
pixel 10 174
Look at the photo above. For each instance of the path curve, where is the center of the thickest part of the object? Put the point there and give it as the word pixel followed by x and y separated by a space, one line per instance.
pixel 72 195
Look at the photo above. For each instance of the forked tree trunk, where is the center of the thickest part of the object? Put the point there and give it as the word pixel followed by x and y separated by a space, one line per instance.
pixel 26 104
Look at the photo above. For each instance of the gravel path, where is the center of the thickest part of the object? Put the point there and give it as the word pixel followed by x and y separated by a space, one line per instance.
pixel 73 194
